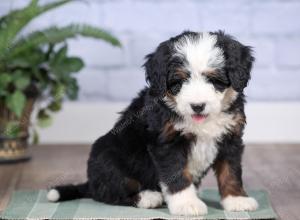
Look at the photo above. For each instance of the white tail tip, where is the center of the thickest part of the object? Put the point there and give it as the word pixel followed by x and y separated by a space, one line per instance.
pixel 53 195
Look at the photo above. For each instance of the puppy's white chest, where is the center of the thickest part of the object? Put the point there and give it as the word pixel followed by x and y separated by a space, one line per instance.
pixel 202 155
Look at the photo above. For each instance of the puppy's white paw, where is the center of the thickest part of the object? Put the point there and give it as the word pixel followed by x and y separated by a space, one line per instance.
pixel 149 199
pixel 186 203
pixel 188 207
pixel 239 203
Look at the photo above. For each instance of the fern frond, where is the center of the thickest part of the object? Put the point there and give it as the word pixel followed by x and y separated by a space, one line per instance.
pixel 53 5
pixel 55 35
pixel 15 21
pixel 34 2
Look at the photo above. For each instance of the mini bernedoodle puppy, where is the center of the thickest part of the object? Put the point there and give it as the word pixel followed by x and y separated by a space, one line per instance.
pixel 189 119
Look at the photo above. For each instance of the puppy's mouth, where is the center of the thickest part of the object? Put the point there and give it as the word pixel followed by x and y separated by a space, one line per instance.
pixel 199 118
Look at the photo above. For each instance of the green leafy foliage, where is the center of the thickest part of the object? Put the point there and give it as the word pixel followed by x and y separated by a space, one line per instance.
pixel 5 79
pixel 54 106
pixel 12 129
pixel 37 66
pixel 55 35
pixel 58 91
pixel 15 21
pixel 20 80
pixel 16 102
pixel 44 118
pixel 61 65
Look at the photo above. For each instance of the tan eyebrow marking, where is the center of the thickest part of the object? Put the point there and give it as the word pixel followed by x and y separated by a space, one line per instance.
pixel 181 73
pixel 210 72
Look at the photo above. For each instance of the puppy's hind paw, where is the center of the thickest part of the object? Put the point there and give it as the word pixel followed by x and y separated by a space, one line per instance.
pixel 149 199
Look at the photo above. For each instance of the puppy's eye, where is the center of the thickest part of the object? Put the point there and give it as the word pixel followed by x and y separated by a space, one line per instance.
pixel 219 85
pixel 174 86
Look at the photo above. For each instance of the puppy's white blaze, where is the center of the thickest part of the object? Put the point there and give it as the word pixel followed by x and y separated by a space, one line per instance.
pixel 150 199
pixel 201 52
pixel 239 203
pixel 53 195
pixel 185 202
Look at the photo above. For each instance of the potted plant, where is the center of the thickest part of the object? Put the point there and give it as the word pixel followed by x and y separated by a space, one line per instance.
pixel 35 68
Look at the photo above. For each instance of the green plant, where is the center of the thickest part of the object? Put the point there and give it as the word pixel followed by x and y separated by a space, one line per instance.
pixel 37 67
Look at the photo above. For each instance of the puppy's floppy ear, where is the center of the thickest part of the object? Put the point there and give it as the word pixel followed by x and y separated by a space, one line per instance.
pixel 156 70
pixel 241 64
pixel 238 62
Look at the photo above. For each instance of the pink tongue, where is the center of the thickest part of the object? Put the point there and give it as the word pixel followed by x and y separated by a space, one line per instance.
pixel 198 118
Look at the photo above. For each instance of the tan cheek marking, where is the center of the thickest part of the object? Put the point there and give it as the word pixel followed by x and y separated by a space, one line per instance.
pixel 168 131
pixel 170 96
pixel 229 96
pixel 240 121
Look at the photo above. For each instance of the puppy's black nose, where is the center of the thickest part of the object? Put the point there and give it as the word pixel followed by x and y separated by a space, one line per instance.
pixel 198 108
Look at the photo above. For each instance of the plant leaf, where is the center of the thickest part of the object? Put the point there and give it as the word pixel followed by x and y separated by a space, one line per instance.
pixel 22 81
pixel 15 21
pixel 66 66
pixel 5 79
pixel 60 55
pixel 16 102
pixel 44 119
pixel 31 58
pixel 55 35
pixel 73 64
pixel 3 92
pixel 54 106
pixel 58 91
pixel 72 89
pixel 34 2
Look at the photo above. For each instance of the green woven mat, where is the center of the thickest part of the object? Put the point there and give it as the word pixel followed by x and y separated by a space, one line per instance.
pixel 34 205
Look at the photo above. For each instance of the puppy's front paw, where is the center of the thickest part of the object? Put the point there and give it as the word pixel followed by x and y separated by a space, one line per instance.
pixel 239 203
pixel 188 207
pixel 186 203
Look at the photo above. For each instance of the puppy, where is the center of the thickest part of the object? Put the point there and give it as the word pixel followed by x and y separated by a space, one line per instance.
pixel 189 119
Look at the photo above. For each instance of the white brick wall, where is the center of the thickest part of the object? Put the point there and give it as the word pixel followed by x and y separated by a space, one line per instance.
pixel 288 53
pixel 124 83
pixel 272 27
pixel 275 17
pixel 150 16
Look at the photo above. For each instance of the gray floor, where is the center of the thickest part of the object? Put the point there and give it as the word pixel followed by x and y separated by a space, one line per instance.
pixel 275 168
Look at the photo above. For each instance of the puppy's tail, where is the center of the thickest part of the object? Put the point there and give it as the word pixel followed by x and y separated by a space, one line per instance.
pixel 68 192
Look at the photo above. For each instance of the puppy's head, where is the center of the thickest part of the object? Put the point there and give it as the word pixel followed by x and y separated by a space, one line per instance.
pixel 199 74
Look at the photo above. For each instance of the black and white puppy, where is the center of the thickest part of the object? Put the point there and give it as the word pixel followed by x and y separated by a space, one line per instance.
pixel 189 119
